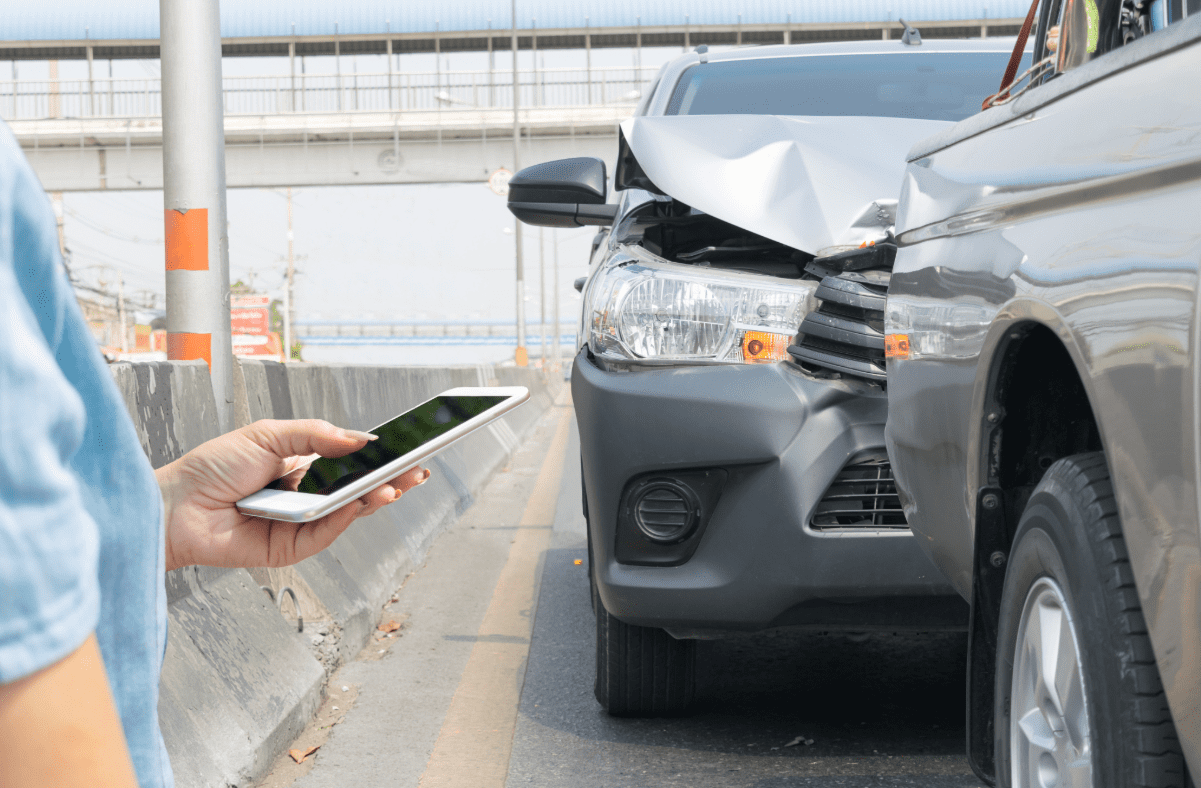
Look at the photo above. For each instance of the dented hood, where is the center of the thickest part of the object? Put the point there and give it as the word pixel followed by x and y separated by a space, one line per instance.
pixel 812 183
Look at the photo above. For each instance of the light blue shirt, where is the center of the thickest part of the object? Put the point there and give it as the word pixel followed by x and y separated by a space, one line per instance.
pixel 81 521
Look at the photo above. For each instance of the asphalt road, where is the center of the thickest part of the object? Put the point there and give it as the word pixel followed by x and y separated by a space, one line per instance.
pixel 880 709
pixel 472 693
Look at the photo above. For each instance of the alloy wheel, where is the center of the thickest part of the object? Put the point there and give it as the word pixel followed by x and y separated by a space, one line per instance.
pixel 1050 745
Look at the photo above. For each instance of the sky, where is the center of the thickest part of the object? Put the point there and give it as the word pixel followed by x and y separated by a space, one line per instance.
pixel 423 251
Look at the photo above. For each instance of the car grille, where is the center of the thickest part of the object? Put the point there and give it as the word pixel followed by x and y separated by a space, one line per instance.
pixel 862 496
pixel 846 332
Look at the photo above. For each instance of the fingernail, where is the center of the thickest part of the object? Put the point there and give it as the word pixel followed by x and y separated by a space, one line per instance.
pixel 425 478
pixel 396 495
pixel 359 436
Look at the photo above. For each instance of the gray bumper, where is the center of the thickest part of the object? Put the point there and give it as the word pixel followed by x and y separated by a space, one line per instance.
pixel 781 437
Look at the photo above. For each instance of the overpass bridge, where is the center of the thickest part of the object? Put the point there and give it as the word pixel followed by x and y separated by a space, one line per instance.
pixel 398 126
pixel 324 130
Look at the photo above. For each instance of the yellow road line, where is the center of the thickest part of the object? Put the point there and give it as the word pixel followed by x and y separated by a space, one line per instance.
pixel 476 740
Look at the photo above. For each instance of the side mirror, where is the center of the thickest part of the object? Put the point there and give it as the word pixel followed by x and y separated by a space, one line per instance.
pixel 563 193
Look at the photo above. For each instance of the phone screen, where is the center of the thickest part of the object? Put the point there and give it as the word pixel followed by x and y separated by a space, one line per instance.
pixel 397 438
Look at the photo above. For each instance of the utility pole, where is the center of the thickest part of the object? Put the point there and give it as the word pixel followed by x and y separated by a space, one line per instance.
pixel 288 299
pixel 542 287
pixel 521 356
pixel 557 347
pixel 121 313
pixel 197 242
pixel 56 199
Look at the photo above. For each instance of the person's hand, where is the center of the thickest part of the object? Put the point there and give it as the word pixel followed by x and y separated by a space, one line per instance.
pixel 201 488
pixel 1053 39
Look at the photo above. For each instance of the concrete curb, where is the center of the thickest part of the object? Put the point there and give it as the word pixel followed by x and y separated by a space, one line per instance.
pixel 239 681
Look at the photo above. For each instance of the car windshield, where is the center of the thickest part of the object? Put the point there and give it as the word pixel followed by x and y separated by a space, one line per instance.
pixel 929 85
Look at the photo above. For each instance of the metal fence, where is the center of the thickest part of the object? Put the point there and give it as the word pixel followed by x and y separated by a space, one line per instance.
pixel 374 92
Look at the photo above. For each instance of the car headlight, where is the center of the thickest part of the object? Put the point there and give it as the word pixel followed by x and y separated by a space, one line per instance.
pixel 641 308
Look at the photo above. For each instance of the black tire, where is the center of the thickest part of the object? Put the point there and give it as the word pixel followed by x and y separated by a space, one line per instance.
pixel 642 671
pixel 1069 542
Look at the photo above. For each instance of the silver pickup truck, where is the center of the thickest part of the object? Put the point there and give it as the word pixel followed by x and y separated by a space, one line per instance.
pixel 1044 397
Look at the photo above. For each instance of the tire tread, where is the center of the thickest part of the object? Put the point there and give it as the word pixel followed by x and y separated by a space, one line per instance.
pixel 1158 762
pixel 642 671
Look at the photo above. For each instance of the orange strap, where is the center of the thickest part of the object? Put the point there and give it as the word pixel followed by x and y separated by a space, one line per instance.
pixel 185 347
pixel 1011 71
pixel 187 239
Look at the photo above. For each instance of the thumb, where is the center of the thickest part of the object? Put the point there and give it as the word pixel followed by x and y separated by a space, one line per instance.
pixel 298 437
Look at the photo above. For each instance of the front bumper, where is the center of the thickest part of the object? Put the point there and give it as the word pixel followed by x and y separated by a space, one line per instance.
pixel 781 437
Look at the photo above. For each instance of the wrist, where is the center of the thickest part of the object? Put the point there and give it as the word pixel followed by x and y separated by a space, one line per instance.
pixel 166 486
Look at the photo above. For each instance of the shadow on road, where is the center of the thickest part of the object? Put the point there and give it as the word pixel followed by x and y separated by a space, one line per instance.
pixel 879 709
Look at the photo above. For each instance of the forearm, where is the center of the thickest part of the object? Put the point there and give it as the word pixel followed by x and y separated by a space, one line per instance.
pixel 61 728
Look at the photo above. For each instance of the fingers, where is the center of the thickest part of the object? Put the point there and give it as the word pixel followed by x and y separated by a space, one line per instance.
pixel 293 437
pixel 388 493
pixel 292 542
pixel 301 540
pixel 291 480
pixel 410 479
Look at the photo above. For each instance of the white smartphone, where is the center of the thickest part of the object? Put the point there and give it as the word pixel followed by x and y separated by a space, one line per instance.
pixel 404 443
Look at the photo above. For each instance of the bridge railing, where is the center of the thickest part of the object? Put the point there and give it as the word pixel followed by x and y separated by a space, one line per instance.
pixel 327 93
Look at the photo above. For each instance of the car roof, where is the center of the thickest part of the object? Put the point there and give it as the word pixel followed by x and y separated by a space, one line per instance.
pixel 871 47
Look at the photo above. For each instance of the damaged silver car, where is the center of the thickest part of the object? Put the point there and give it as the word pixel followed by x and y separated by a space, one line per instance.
pixel 729 385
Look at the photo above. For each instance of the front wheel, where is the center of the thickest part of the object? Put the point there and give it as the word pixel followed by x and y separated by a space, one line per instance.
pixel 642 671
pixel 1079 702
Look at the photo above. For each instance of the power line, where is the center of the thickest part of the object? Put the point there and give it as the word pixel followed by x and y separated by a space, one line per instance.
pixel 130 302
pixel 113 233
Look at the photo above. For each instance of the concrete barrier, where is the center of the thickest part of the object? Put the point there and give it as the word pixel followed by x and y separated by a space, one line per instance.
pixel 240 681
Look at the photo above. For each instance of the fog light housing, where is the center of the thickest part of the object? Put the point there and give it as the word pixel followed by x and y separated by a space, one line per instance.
pixel 665 511
pixel 663 515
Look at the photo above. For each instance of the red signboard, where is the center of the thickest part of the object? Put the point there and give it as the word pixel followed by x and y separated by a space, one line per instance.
pixel 250 314
pixel 250 321
pixel 249 301
pixel 268 346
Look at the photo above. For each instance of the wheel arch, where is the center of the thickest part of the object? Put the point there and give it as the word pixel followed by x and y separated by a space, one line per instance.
pixel 1035 406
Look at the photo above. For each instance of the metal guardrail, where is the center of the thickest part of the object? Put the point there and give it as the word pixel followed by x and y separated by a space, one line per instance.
pixel 375 92
pixel 425 332
pixel 532 341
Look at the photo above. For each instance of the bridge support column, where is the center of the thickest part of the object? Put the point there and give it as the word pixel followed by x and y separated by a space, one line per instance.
pixel 194 193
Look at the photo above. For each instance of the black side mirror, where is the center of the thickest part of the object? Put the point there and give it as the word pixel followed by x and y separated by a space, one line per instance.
pixel 563 193
pixel 579 284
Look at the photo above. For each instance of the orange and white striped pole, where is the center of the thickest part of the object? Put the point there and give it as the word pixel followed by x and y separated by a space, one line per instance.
pixel 194 193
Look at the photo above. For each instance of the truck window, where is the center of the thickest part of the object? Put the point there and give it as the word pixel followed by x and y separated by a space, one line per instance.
pixel 927 85
pixel 1082 30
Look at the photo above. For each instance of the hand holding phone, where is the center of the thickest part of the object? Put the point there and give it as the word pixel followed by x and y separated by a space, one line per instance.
pixel 201 489
pixel 402 443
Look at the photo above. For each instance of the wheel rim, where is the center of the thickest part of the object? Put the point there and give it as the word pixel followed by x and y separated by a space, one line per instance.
pixel 1049 739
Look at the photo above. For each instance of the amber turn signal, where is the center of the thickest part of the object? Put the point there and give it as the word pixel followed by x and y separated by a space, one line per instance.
pixel 896 346
pixel 764 347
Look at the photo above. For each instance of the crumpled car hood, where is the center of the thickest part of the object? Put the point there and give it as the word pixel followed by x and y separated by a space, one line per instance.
pixel 812 183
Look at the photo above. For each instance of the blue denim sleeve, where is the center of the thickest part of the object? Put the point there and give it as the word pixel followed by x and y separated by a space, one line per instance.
pixel 49 589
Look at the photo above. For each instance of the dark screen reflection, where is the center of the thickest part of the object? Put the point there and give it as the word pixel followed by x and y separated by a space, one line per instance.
pixel 396 438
